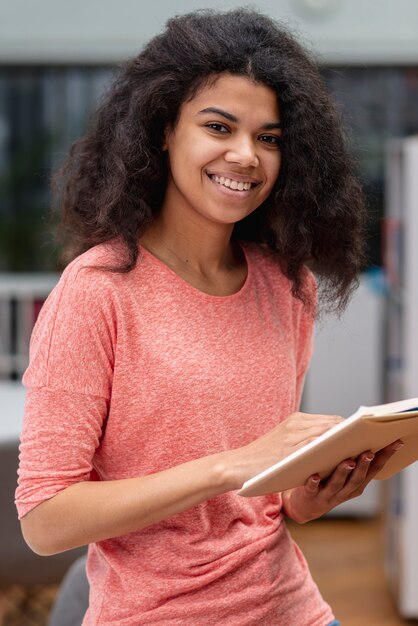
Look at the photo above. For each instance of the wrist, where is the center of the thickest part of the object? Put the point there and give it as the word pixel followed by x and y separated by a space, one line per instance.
pixel 226 471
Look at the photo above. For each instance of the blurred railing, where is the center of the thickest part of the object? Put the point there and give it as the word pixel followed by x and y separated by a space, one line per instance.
pixel 21 299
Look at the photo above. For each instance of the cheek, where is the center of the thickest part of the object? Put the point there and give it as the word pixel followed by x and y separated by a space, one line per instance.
pixel 189 158
pixel 273 169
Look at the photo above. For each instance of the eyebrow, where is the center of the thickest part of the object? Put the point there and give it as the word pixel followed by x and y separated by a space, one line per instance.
pixel 232 118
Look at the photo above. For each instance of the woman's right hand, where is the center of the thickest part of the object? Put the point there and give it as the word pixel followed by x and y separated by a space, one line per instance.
pixel 292 433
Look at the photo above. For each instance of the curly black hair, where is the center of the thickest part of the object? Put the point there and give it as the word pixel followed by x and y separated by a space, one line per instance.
pixel 113 182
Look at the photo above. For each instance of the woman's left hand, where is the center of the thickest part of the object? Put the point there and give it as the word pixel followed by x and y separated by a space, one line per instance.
pixel 348 480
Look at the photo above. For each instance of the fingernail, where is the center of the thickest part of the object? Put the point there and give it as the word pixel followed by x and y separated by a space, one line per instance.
pixel 370 457
pixel 316 479
pixel 351 466
pixel 399 445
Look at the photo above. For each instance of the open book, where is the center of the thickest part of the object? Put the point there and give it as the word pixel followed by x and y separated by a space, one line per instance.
pixel 369 428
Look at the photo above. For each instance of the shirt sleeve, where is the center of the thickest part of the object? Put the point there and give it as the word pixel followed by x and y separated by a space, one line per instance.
pixel 68 385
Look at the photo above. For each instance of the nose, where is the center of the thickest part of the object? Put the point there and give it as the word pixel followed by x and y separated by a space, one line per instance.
pixel 243 152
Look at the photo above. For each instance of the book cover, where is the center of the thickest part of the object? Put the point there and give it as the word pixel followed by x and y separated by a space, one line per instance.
pixel 369 428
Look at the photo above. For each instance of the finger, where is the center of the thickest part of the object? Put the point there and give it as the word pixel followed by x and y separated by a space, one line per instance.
pixel 338 479
pixel 320 422
pixel 311 420
pixel 383 456
pixel 313 429
pixel 362 474
pixel 312 485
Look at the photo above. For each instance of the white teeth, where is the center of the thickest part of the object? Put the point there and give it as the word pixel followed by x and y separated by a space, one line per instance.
pixel 232 184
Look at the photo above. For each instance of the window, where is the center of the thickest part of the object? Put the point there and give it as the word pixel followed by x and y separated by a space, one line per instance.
pixel 42 110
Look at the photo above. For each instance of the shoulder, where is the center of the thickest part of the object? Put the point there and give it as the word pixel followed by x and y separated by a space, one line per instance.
pixel 89 277
pixel 85 289
pixel 79 319
pixel 261 259
pixel 266 266
pixel 96 261
pixel 310 289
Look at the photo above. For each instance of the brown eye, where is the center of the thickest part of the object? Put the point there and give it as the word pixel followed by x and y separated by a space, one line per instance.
pixel 219 128
pixel 271 140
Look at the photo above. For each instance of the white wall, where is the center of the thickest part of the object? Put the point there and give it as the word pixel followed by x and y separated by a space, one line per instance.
pixel 105 31
pixel 347 371
pixel 347 366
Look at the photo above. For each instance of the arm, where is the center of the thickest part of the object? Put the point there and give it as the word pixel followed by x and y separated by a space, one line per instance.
pixel 87 512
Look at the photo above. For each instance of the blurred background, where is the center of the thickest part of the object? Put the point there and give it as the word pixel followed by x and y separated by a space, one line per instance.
pixel 56 59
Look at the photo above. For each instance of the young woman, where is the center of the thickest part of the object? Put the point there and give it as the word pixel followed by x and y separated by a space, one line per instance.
pixel 167 365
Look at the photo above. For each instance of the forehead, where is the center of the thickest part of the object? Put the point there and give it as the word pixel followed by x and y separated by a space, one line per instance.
pixel 239 95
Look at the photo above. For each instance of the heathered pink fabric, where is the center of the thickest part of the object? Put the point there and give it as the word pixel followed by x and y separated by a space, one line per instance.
pixel 133 373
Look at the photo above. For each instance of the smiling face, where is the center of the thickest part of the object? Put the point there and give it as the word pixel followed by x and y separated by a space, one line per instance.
pixel 223 154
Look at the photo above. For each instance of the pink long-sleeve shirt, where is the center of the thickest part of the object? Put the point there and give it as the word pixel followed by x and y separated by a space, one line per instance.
pixel 131 374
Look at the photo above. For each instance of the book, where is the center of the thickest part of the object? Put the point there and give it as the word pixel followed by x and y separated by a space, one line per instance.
pixel 369 428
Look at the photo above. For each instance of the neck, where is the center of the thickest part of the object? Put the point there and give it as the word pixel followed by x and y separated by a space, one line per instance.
pixel 199 250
